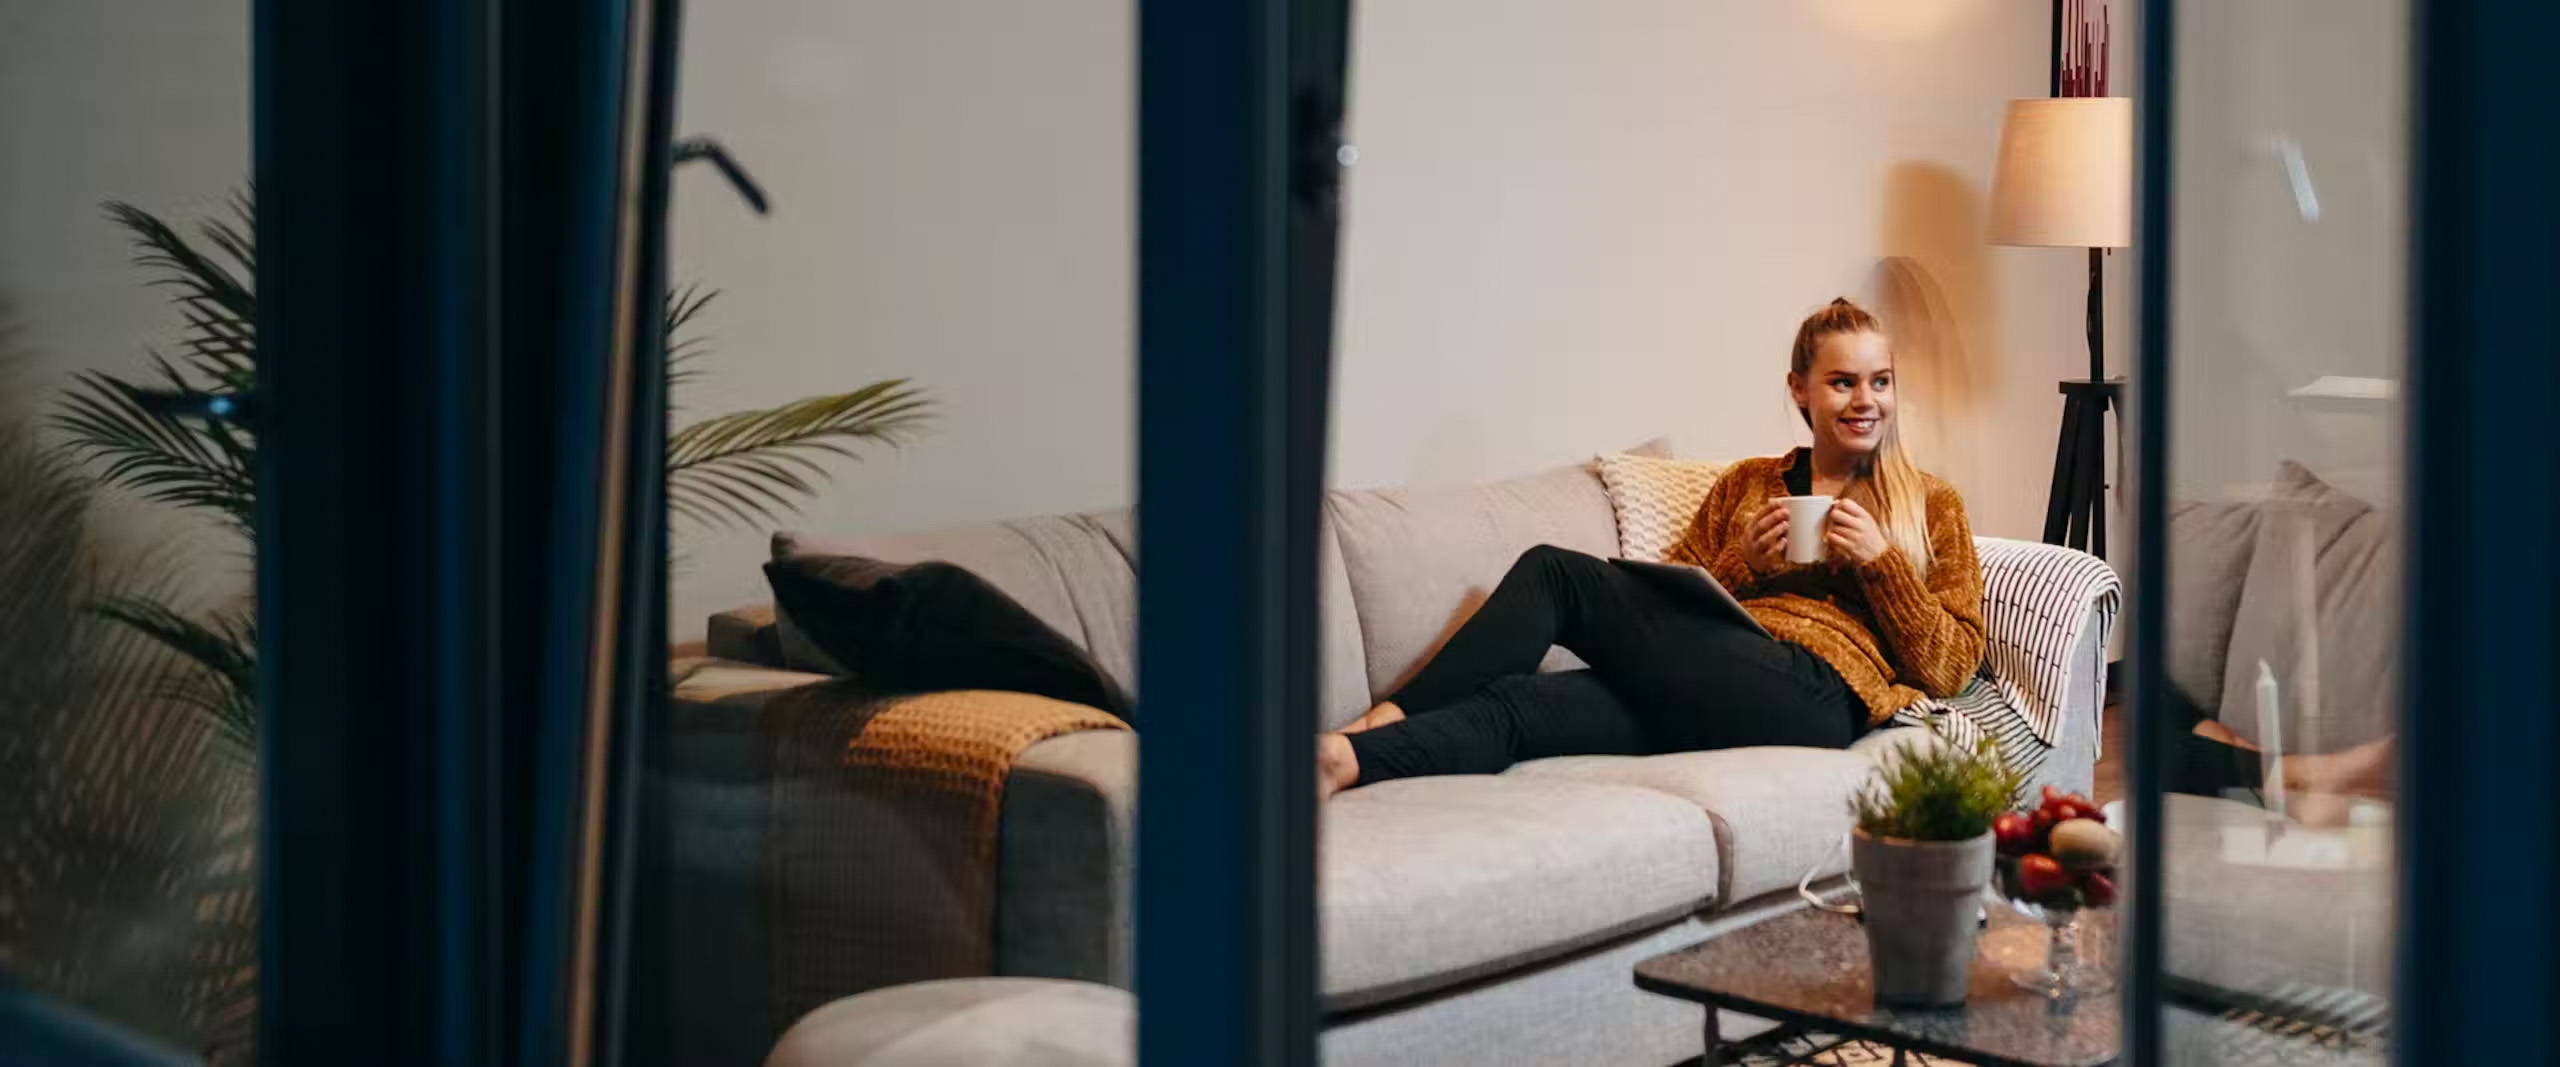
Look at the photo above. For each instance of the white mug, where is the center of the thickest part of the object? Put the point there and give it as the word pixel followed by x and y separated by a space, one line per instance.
pixel 1806 517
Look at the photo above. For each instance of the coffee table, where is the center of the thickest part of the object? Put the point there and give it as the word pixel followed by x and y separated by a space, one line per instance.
pixel 1810 968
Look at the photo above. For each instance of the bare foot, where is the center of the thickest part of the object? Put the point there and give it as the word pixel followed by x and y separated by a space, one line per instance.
pixel 2364 770
pixel 1336 765
pixel 1385 713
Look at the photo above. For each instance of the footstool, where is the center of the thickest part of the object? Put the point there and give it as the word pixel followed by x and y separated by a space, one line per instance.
pixel 968 1022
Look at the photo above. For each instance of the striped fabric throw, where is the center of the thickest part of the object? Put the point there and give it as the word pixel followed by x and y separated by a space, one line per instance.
pixel 2037 606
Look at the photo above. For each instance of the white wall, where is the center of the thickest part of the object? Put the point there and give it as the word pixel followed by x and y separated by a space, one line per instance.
pixel 1572 229
pixel 141 101
pixel 953 189
pixel 2279 282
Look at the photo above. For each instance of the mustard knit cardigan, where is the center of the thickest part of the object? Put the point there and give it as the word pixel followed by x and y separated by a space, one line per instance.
pixel 1891 634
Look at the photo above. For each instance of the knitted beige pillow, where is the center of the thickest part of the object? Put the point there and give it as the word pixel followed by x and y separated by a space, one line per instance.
pixel 1655 499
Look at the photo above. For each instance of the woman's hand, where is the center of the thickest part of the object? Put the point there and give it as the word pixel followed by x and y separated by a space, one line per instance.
pixel 1764 545
pixel 1854 534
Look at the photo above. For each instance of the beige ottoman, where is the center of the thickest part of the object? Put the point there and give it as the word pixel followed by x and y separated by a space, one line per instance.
pixel 968 1022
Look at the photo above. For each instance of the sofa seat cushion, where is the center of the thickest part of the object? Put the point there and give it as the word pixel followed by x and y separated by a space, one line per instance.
pixel 1777 811
pixel 1428 882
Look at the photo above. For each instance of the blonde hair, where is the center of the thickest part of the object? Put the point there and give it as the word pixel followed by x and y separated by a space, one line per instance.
pixel 1887 483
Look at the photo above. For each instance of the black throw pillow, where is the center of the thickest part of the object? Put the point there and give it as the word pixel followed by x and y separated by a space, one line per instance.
pixel 926 627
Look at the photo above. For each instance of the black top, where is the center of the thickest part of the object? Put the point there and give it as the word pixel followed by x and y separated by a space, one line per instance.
pixel 1800 472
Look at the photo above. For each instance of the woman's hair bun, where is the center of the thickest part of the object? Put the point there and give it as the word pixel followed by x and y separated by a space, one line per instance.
pixel 1839 301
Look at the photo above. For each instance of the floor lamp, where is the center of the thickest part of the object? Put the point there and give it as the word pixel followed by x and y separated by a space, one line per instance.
pixel 2065 180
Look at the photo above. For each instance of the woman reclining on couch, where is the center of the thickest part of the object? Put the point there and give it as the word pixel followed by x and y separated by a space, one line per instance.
pixel 1893 611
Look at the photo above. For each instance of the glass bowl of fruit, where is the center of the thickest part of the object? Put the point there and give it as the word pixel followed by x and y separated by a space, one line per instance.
pixel 2056 861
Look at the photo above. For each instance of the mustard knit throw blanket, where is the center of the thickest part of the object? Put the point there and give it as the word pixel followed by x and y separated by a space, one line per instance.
pixel 899 799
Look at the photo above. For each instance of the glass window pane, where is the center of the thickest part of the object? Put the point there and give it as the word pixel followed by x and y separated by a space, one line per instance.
pixel 903 415
pixel 128 822
pixel 2287 348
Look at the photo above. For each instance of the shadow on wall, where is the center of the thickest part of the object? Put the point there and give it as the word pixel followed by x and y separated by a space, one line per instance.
pixel 1933 288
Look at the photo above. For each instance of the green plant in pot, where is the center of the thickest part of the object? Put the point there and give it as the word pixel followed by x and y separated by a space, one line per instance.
pixel 738 470
pixel 1922 854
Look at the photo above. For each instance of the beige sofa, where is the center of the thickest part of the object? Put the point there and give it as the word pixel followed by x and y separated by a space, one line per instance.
pixel 1489 918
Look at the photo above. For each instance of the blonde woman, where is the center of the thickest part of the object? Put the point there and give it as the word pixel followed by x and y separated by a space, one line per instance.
pixel 1892 612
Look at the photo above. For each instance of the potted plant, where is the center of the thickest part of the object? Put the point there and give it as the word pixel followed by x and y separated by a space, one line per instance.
pixel 738 470
pixel 1922 854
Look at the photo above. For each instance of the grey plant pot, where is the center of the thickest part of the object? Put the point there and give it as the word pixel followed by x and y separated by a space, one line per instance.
pixel 1921 900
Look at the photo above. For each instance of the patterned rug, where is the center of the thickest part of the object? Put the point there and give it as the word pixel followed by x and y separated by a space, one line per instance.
pixel 1788 1046
pixel 2234 1037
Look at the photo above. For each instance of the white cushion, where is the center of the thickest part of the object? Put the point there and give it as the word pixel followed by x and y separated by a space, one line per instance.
pixel 1655 499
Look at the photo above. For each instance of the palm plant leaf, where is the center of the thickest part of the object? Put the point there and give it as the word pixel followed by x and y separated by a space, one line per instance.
pixel 146 449
pixel 132 819
pixel 682 306
pixel 224 648
pixel 141 446
pixel 749 466
pixel 220 309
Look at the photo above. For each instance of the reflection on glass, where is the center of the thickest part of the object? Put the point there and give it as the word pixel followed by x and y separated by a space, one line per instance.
pixel 128 723
pixel 897 750
pixel 2284 527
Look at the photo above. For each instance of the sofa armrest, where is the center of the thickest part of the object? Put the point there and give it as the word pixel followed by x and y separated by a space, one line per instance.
pixel 747 635
pixel 2043 606
pixel 1067 859
pixel 870 878
pixel 699 872
pixel 2072 764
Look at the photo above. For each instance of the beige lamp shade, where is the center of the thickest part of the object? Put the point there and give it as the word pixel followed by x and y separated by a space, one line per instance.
pixel 2065 177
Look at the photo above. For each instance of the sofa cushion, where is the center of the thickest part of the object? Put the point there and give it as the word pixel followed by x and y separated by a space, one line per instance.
pixel 2209 546
pixel 1076 573
pixel 1427 882
pixel 2321 607
pixel 1420 560
pixel 1656 499
pixel 1073 572
pixel 1777 811
pixel 923 627
pixel 1344 671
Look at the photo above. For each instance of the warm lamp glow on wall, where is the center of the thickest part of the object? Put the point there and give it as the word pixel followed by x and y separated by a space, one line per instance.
pixel 2065 180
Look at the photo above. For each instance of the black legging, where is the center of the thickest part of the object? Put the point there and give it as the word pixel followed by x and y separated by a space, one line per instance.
pixel 2204 766
pixel 1666 676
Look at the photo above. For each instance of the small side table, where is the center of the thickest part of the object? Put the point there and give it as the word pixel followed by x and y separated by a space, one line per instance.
pixel 1810 968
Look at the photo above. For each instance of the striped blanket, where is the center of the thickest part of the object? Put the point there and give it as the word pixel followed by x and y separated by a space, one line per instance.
pixel 2038 603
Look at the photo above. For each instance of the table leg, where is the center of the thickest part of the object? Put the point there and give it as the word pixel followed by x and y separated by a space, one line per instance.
pixel 1715 1043
pixel 1900 1059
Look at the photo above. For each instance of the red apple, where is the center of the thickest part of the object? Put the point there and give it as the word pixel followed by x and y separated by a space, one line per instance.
pixel 2097 889
pixel 2088 808
pixel 2016 832
pixel 2043 820
pixel 2064 811
pixel 2051 794
pixel 2040 874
